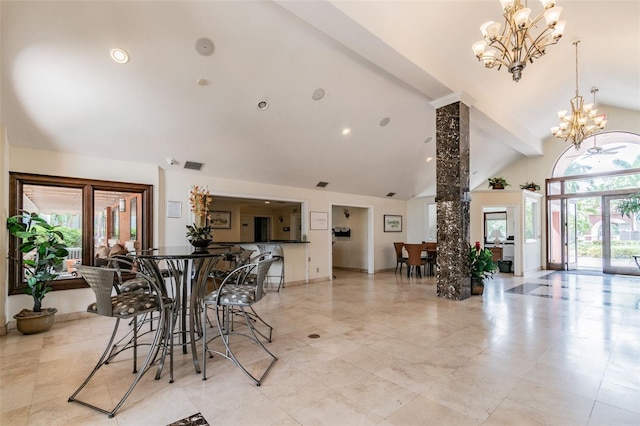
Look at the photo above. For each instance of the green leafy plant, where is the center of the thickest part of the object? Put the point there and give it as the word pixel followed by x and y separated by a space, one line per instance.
pixel 532 186
pixel 198 232
pixel 481 264
pixel 498 182
pixel 47 244
pixel 630 206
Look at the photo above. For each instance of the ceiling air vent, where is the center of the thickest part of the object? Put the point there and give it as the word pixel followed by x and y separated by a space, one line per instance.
pixel 322 184
pixel 391 194
pixel 193 165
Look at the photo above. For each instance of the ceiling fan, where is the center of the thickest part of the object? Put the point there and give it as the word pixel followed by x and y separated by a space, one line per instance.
pixel 598 150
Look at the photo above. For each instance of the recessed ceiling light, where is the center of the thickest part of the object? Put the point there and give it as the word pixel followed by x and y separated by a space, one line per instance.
pixel 120 56
pixel 267 202
pixel 202 82
pixel 429 159
pixel 262 105
pixel 318 94
pixel 429 139
pixel 346 131
pixel 384 121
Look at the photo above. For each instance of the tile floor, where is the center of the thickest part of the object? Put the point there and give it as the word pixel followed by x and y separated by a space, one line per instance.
pixel 553 349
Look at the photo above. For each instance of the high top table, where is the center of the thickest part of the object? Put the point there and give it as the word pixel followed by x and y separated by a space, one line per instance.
pixel 188 270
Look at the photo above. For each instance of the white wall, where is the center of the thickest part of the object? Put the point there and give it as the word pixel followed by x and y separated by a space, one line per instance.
pixel 417 217
pixel 174 185
pixel 4 240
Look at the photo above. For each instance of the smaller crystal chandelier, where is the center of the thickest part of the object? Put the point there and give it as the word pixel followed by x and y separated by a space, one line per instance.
pixel 516 44
pixel 583 121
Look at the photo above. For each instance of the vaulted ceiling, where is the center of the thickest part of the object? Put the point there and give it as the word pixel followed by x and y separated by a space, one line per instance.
pixel 373 60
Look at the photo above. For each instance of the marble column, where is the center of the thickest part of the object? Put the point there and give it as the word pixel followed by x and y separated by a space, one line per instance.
pixel 452 197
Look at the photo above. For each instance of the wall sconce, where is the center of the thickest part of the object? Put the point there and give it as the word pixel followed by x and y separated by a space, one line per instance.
pixel 346 213
pixel 281 218
pixel 122 205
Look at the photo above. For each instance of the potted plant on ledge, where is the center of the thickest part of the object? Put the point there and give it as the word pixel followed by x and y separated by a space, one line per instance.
pixel 47 245
pixel 498 183
pixel 531 186
pixel 481 267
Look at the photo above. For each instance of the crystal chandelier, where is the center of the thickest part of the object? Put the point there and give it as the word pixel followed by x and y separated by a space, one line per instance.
pixel 583 121
pixel 517 44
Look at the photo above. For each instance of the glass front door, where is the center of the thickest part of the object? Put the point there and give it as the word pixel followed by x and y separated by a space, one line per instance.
pixel 620 239
pixel 571 234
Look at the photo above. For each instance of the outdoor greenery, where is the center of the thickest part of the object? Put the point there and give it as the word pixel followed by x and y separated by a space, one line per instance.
pixel 630 207
pixel 589 209
pixel 619 249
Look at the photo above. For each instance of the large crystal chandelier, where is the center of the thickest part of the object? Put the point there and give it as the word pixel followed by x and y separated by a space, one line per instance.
pixel 518 44
pixel 583 121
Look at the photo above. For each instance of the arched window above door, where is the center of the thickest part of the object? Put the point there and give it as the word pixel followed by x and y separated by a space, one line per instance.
pixel 602 153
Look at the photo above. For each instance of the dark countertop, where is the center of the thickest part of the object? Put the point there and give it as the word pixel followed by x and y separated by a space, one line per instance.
pixel 225 243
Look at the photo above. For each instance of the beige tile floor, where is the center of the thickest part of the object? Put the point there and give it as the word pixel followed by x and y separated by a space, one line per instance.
pixel 546 350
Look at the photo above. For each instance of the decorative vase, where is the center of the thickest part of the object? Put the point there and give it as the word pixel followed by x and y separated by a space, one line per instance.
pixel 200 245
pixel 29 322
pixel 477 286
pixel 497 186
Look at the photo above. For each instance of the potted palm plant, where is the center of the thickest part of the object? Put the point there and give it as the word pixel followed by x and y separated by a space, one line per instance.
pixel 46 249
pixel 498 183
pixel 481 267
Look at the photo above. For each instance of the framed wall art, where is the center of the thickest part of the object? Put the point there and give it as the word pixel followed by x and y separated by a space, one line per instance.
pixel 174 209
pixel 392 223
pixel 319 220
pixel 220 219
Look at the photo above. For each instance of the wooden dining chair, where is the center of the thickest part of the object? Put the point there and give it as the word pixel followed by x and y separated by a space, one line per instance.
pixel 400 259
pixel 432 253
pixel 415 261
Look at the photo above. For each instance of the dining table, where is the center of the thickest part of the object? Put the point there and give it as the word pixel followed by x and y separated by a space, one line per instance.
pixel 185 270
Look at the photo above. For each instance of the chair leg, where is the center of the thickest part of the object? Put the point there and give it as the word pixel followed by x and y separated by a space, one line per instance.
pixel 254 316
pixel 223 318
pixel 153 349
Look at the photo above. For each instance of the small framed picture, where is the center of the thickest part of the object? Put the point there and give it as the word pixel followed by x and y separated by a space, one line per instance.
pixel 319 220
pixel 220 219
pixel 392 223
pixel 174 209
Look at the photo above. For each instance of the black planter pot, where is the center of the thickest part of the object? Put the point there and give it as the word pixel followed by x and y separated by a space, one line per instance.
pixel 477 286
pixel 200 245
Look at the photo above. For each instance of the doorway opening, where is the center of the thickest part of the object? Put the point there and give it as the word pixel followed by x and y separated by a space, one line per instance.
pixel 351 239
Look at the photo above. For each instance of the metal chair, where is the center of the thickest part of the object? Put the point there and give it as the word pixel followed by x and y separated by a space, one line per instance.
pixel 233 298
pixel 126 306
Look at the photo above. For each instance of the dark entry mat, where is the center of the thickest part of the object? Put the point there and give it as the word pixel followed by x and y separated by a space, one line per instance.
pixel 193 420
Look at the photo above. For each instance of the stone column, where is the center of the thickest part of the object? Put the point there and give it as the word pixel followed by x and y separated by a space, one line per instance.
pixel 452 196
